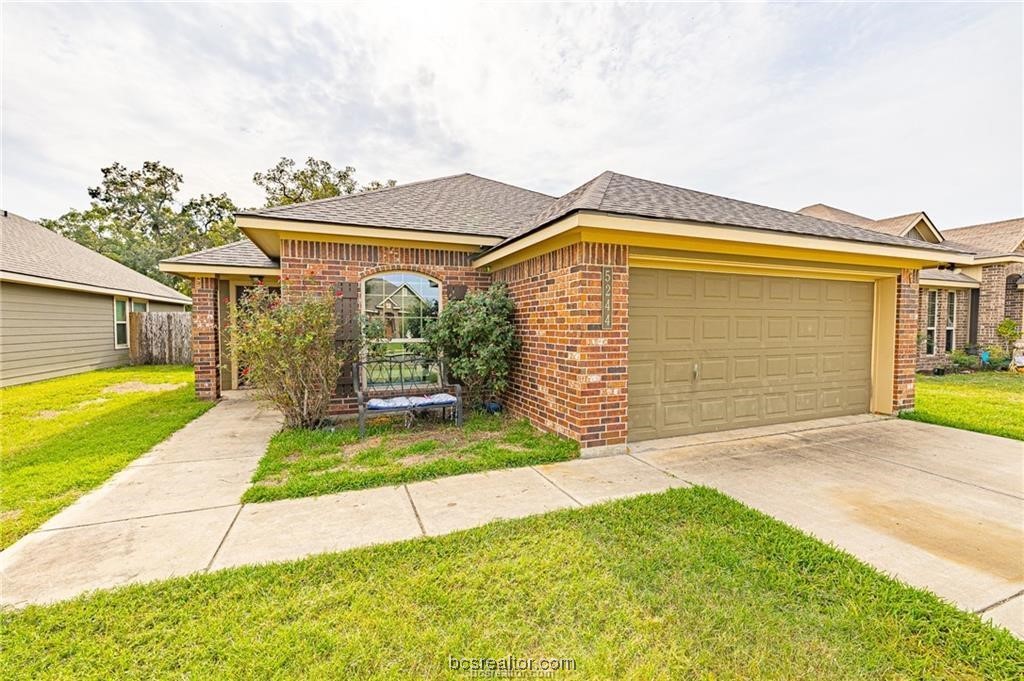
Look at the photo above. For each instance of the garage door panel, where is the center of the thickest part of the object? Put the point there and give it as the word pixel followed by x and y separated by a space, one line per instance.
pixel 767 349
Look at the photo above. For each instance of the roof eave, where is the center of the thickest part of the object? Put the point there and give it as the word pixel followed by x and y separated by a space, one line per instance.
pixel 725 232
pixel 46 282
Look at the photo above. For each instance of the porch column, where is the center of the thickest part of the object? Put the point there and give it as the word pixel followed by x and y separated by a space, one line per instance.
pixel 205 338
pixel 905 351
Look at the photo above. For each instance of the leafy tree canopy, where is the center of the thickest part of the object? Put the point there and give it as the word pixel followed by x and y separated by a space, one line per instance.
pixel 288 183
pixel 136 218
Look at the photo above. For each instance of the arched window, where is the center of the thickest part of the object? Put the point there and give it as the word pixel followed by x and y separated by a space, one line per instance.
pixel 404 302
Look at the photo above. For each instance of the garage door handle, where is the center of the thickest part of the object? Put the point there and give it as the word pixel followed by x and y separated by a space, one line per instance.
pixel 696 371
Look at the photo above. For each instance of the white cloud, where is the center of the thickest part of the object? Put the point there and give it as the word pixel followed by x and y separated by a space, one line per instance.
pixel 880 109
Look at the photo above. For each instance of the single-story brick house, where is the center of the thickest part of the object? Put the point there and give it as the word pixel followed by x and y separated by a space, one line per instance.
pixel 64 308
pixel 645 310
pixel 961 307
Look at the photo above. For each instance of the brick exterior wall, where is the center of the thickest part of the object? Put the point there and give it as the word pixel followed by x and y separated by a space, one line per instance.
pixel 961 325
pixel 205 341
pixel 318 265
pixel 1014 303
pixel 999 299
pixel 570 375
pixel 905 364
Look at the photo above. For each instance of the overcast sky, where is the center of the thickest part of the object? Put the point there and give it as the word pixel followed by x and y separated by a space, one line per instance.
pixel 880 109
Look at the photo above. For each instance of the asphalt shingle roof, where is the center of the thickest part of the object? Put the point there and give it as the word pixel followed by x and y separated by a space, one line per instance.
pixel 612 192
pixel 243 253
pixel 461 204
pixel 947 275
pixel 30 249
pixel 894 225
pixel 467 204
pixel 992 238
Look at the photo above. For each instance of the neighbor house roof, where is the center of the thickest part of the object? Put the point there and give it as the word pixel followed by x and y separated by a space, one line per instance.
pixel 615 193
pixel 462 204
pixel 953 277
pixel 242 253
pixel 992 238
pixel 33 254
pixel 897 226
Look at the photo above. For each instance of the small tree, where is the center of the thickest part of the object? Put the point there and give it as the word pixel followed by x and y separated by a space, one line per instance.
pixel 287 350
pixel 1010 332
pixel 476 338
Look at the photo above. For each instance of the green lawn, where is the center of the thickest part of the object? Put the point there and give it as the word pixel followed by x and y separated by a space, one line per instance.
pixel 63 437
pixel 685 584
pixel 301 463
pixel 987 402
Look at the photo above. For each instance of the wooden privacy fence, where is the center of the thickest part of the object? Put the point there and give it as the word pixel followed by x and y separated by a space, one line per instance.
pixel 160 337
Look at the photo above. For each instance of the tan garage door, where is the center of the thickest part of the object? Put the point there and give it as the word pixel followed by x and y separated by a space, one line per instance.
pixel 710 351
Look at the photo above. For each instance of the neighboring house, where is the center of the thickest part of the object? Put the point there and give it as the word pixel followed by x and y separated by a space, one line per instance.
pixel 644 310
pixel 64 308
pixel 999 268
pixel 959 308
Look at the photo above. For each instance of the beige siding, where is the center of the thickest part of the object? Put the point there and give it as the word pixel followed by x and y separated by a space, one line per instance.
pixel 164 307
pixel 48 332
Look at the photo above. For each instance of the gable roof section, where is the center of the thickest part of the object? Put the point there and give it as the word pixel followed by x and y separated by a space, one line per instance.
pixel 619 194
pixel 899 225
pixel 460 204
pixel 826 212
pixel 242 253
pixel 34 254
pixel 991 238
pixel 932 275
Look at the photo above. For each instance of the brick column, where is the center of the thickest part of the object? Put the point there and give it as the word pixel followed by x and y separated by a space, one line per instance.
pixel 905 357
pixel 570 376
pixel 205 338
pixel 991 304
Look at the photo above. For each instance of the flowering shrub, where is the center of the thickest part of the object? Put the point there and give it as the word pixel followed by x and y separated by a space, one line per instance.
pixel 287 350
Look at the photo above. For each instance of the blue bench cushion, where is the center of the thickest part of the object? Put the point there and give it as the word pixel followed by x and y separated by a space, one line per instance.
pixel 394 403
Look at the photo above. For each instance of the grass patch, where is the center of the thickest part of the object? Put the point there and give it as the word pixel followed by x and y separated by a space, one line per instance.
pixel 302 463
pixel 986 402
pixel 63 437
pixel 685 584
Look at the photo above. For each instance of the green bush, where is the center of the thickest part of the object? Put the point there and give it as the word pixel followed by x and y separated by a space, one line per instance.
pixel 286 348
pixel 1009 331
pixel 476 338
pixel 998 358
pixel 962 361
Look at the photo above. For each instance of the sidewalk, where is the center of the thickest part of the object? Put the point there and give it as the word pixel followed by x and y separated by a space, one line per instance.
pixel 175 511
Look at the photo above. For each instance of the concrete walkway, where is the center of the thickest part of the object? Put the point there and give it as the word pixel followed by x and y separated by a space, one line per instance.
pixel 176 511
pixel 939 508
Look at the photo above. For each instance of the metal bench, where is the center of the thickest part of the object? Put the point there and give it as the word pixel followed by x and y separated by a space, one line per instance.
pixel 404 383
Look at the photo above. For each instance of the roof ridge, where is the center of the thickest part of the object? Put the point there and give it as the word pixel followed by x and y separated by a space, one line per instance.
pixel 750 203
pixel 985 224
pixel 507 184
pixel 274 209
pixel 600 184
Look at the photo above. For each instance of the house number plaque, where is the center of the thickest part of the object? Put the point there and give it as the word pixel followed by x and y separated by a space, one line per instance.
pixel 606 297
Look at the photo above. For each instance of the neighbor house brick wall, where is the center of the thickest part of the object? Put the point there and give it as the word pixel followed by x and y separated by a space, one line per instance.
pixel 318 265
pixel 570 375
pixel 999 300
pixel 905 352
pixel 205 341
pixel 961 324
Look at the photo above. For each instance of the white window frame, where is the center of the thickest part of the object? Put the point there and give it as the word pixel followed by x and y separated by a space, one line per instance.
pixel 127 311
pixel 362 297
pixel 950 321
pixel 139 300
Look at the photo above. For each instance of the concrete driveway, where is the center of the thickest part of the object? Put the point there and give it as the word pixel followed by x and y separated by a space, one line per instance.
pixel 937 507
